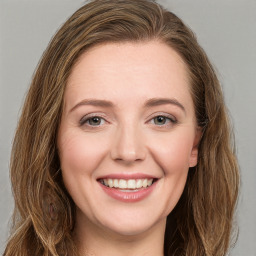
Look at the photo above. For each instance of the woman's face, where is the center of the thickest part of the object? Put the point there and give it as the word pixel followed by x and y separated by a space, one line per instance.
pixel 128 136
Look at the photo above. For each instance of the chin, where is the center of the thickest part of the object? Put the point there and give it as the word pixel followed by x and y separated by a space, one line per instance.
pixel 128 230
pixel 131 223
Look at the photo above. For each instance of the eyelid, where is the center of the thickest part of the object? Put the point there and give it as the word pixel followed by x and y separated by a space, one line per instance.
pixel 170 121
pixel 91 115
pixel 169 116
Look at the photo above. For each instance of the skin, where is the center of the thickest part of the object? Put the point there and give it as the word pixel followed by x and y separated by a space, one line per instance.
pixel 127 139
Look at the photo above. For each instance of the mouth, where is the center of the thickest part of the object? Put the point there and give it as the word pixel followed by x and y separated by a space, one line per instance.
pixel 128 185
pixel 128 190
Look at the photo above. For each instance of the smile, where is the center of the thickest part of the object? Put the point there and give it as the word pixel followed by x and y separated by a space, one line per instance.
pixel 128 190
pixel 130 185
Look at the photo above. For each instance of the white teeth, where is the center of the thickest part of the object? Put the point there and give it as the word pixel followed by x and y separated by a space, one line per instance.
pixel 150 182
pixel 116 183
pixel 144 183
pixel 131 184
pixel 138 183
pixel 109 182
pixel 127 184
pixel 122 184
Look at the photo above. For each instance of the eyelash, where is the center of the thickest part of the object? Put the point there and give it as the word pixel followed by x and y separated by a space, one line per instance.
pixel 172 120
pixel 86 119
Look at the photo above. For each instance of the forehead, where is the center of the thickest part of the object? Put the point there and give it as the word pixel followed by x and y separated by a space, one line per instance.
pixel 126 70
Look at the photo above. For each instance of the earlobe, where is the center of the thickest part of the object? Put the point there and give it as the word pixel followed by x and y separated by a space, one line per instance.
pixel 194 151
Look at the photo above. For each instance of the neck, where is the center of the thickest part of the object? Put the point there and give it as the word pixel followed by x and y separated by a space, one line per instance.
pixel 93 240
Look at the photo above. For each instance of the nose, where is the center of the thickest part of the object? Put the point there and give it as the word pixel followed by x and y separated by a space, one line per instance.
pixel 128 145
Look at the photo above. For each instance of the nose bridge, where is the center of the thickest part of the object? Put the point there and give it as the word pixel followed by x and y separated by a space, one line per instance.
pixel 128 144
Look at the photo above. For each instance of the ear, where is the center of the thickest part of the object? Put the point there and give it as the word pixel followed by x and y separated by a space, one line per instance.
pixel 194 152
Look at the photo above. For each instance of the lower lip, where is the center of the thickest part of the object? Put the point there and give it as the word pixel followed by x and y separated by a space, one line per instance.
pixel 129 197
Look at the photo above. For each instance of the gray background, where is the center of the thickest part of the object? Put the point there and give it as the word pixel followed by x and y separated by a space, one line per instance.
pixel 225 28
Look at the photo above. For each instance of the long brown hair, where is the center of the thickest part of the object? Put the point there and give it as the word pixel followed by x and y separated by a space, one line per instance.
pixel 202 221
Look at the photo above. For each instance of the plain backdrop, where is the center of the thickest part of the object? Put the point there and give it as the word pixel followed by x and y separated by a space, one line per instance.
pixel 225 28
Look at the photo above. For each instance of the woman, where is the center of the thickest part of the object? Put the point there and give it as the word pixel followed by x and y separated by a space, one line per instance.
pixel 124 145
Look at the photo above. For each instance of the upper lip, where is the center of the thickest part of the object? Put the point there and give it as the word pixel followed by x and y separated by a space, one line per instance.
pixel 128 176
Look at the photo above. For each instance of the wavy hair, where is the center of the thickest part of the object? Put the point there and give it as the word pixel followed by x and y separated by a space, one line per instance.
pixel 43 220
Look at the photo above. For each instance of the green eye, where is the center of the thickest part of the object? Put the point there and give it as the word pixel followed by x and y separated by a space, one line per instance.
pixel 94 121
pixel 160 120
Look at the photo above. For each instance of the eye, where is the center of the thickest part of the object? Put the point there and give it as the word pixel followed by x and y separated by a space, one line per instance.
pixel 162 120
pixel 92 121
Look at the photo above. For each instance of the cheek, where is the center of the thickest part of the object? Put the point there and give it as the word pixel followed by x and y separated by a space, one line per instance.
pixel 172 155
pixel 80 153
pixel 172 152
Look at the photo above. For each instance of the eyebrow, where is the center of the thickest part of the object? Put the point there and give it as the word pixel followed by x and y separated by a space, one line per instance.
pixel 93 102
pixel 162 101
pixel 149 103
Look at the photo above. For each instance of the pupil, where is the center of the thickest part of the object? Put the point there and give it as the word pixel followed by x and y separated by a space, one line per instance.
pixel 160 120
pixel 95 121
